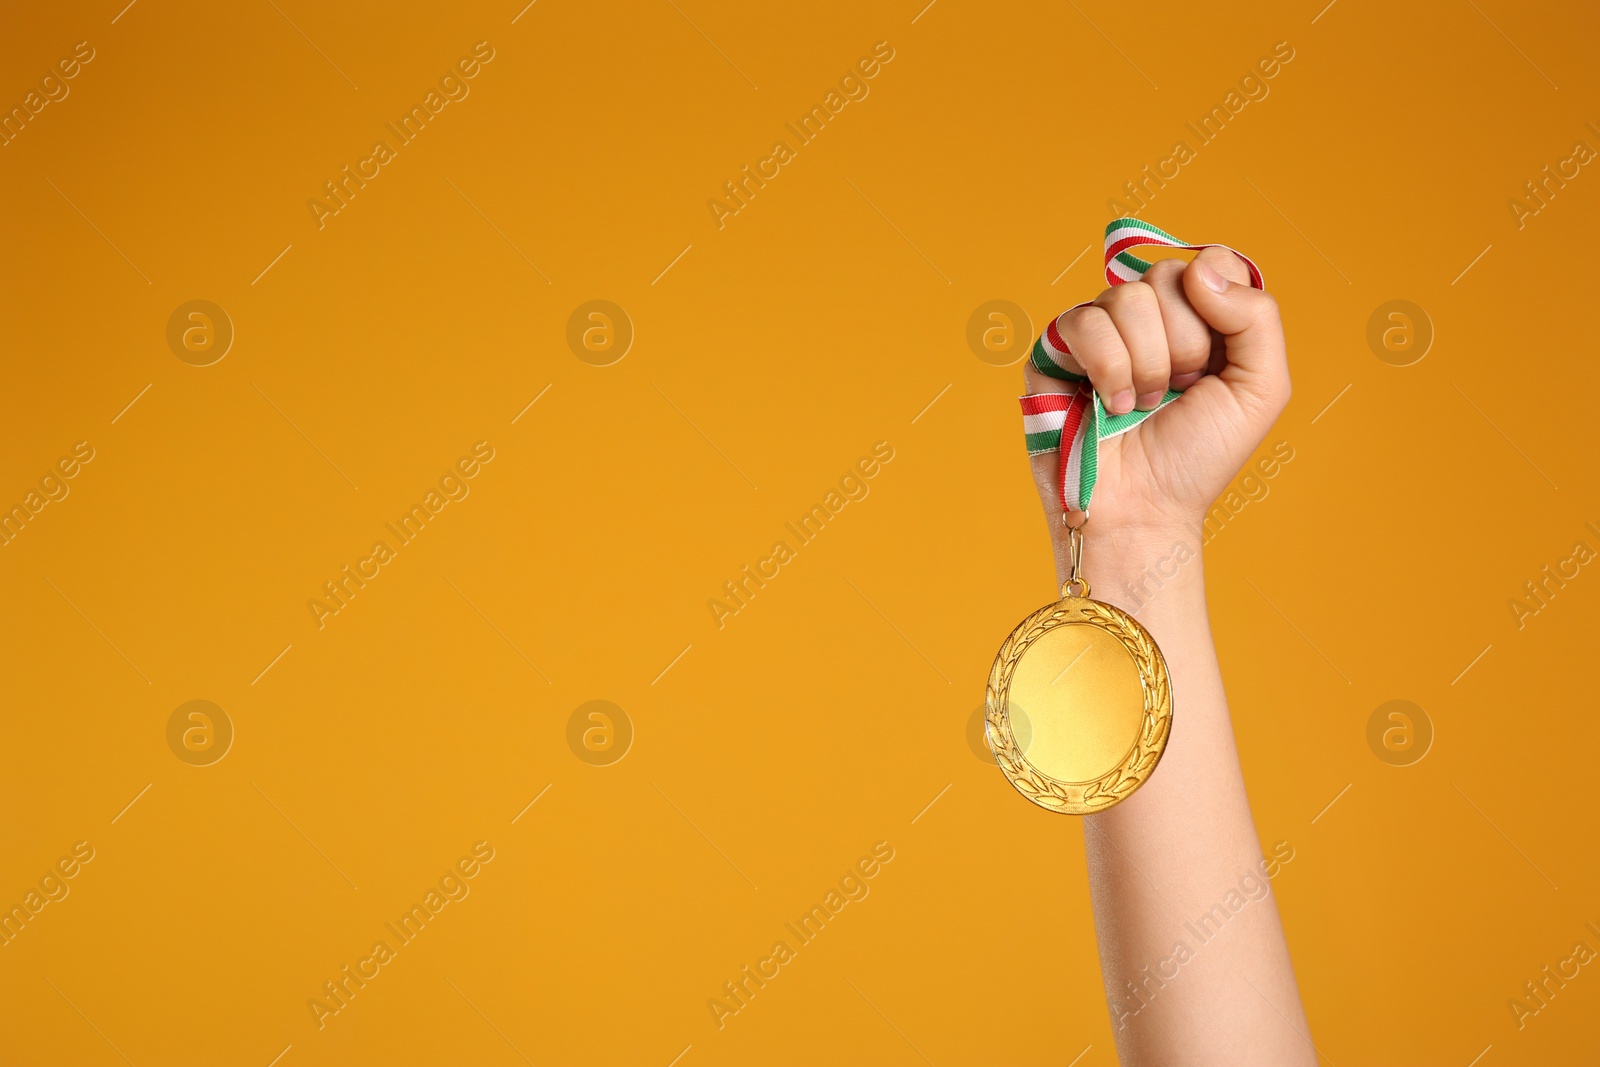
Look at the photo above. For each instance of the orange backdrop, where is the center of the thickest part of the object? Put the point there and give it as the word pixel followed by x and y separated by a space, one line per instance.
pixel 401 347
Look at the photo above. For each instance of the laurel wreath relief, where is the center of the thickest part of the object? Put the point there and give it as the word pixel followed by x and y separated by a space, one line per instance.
pixel 1081 798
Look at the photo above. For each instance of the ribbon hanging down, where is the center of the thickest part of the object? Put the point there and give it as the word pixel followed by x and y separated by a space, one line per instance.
pixel 1076 424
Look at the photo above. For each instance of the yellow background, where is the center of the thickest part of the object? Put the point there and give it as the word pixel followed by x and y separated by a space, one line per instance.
pixel 830 712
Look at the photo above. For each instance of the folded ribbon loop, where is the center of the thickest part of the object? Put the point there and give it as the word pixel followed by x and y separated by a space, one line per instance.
pixel 1075 424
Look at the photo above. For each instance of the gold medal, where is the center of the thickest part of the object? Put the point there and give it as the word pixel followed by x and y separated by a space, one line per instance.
pixel 1094 688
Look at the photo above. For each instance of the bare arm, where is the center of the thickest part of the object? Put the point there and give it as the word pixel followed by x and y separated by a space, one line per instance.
pixel 1195 964
pixel 1193 956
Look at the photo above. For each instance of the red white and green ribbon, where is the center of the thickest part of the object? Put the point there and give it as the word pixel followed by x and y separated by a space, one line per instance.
pixel 1075 424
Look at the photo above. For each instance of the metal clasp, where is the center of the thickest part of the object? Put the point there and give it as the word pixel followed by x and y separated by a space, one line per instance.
pixel 1075 558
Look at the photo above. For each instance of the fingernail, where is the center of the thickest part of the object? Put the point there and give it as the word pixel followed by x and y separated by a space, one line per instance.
pixel 1214 281
pixel 1148 401
pixel 1122 403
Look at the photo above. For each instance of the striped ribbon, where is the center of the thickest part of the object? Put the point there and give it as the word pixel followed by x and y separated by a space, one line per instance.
pixel 1080 418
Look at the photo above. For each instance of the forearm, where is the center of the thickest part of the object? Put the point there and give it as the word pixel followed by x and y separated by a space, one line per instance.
pixel 1194 959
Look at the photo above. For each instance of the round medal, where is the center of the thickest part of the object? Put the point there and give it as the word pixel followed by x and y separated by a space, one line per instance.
pixel 1098 699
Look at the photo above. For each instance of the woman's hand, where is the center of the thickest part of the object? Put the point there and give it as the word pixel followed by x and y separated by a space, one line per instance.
pixel 1202 330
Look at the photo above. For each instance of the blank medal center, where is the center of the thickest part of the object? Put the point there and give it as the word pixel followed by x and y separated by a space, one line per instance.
pixel 1080 689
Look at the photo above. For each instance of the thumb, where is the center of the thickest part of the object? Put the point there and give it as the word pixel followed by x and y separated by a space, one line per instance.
pixel 1246 317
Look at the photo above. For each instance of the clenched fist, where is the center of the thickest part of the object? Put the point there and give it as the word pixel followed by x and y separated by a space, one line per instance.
pixel 1198 328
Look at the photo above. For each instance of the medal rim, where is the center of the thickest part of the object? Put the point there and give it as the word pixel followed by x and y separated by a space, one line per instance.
pixel 1136 766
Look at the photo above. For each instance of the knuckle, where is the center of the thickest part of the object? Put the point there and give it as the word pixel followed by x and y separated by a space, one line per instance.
pixel 1103 358
pixel 1099 360
pixel 1110 298
pixel 1128 294
pixel 1073 319
pixel 1164 270
pixel 1264 310
pixel 1150 377
pixel 1105 337
pixel 1190 353
pixel 1188 338
pixel 1078 324
pixel 1153 364
pixel 1087 321
pixel 1225 262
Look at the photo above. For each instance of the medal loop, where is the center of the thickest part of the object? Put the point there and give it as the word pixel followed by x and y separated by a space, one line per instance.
pixel 1075 556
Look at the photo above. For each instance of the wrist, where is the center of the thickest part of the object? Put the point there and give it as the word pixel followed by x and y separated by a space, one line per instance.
pixel 1135 568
